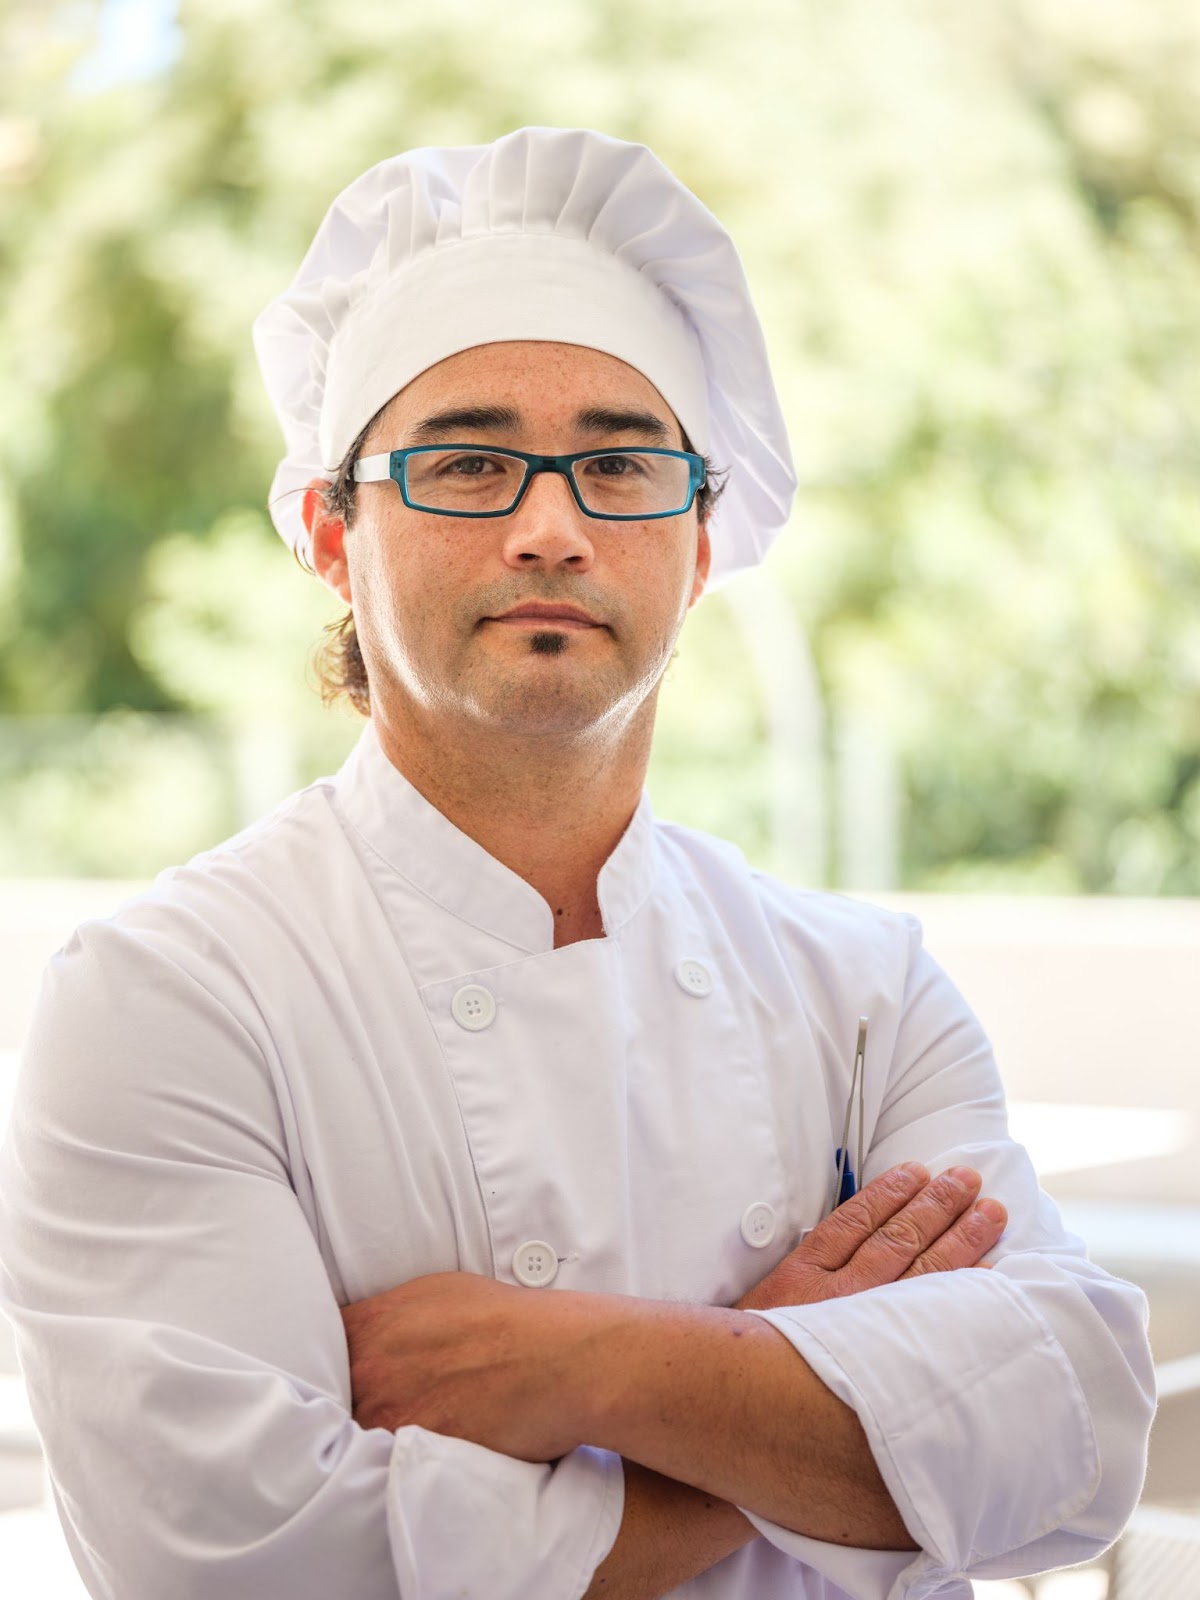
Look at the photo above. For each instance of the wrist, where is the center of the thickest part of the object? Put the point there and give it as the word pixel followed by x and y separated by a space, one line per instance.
pixel 652 1364
pixel 586 1354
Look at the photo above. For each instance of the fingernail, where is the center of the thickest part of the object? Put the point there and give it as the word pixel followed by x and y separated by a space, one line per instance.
pixel 967 1176
pixel 992 1210
pixel 916 1170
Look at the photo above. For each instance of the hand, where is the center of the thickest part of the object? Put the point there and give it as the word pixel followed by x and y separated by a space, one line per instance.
pixel 463 1355
pixel 899 1225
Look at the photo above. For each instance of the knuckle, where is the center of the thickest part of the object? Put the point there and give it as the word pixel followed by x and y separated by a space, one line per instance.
pixel 902 1233
pixel 950 1193
pixel 841 1285
pixel 884 1196
pixel 837 1233
pixel 797 1288
pixel 928 1263
pixel 895 1182
pixel 858 1205
pixel 960 1246
pixel 976 1225
pixel 982 1230
pixel 835 1224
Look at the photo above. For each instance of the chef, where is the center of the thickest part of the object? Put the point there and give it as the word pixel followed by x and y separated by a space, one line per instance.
pixel 434 1189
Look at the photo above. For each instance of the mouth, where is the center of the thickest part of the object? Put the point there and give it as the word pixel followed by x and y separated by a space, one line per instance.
pixel 568 618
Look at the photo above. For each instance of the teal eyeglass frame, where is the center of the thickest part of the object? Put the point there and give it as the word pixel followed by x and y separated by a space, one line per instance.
pixel 394 465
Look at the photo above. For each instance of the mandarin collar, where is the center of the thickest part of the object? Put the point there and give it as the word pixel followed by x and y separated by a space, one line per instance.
pixel 448 866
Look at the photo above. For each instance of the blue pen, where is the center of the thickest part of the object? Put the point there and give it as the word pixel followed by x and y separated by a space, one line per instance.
pixel 846 1184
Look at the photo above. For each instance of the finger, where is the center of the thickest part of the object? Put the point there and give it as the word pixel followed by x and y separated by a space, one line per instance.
pixel 832 1243
pixel 897 1243
pixel 975 1233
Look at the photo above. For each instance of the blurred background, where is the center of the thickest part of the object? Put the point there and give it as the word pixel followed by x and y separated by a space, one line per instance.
pixel 966 680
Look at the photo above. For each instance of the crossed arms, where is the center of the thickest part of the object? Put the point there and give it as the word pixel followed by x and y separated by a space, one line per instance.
pixel 186 1358
pixel 705 1405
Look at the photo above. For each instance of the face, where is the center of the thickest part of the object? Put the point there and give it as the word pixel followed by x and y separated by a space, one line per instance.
pixel 429 592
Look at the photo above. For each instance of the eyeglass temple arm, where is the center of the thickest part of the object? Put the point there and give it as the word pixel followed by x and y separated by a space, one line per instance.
pixel 372 469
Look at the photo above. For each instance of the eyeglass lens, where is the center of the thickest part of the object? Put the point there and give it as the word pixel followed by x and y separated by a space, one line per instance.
pixel 629 483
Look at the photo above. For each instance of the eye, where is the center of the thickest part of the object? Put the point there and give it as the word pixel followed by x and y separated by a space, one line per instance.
pixel 616 466
pixel 468 466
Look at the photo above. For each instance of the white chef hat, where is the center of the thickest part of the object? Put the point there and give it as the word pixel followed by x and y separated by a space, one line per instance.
pixel 551 234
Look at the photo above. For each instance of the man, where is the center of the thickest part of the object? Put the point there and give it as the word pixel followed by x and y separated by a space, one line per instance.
pixel 433 1190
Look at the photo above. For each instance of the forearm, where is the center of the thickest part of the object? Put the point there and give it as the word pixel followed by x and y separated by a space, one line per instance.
pixel 670 1532
pixel 719 1400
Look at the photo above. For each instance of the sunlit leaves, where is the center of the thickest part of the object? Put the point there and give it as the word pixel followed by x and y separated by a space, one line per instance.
pixel 973 233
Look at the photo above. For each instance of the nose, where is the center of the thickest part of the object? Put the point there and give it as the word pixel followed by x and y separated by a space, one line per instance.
pixel 548 529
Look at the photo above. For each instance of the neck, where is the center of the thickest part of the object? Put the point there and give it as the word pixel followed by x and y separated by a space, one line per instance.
pixel 552 812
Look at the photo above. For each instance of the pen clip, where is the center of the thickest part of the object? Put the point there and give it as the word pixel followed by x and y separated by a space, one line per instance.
pixel 857 1083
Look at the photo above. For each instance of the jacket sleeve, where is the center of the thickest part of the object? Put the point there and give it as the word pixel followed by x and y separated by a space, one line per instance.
pixel 183 1350
pixel 1008 1410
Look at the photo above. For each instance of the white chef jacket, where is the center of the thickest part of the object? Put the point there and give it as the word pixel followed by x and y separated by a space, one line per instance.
pixel 340 1051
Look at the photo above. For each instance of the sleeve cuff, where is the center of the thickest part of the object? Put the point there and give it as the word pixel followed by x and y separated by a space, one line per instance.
pixel 862 1574
pixel 466 1520
pixel 927 1365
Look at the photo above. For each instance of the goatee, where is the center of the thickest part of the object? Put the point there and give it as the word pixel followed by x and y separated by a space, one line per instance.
pixel 547 644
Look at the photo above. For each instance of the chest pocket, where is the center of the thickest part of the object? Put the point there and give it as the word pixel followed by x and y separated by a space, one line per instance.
pixel 620 1123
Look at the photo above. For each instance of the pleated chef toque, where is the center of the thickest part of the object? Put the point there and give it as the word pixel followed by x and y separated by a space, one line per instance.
pixel 548 233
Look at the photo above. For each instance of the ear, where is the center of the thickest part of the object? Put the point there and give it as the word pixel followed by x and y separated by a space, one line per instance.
pixel 703 562
pixel 327 536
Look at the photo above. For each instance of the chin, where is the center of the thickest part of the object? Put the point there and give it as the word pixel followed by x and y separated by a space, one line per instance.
pixel 546 708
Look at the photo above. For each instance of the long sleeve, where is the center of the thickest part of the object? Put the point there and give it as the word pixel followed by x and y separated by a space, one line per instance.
pixel 182 1345
pixel 1008 1410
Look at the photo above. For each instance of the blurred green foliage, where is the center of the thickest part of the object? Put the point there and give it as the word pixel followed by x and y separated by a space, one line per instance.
pixel 973 234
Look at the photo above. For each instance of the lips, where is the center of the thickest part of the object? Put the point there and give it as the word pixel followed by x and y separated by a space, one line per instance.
pixel 570 616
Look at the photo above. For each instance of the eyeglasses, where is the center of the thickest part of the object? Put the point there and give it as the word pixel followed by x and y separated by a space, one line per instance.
pixel 472 480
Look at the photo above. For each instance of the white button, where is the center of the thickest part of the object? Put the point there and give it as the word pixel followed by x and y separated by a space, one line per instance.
pixel 694 977
pixel 534 1264
pixel 473 1007
pixel 758 1224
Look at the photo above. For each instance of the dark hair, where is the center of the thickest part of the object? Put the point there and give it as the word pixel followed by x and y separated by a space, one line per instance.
pixel 338 661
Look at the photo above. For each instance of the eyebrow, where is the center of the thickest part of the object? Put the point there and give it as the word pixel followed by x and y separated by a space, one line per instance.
pixel 468 420
pixel 464 420
pixel 598 419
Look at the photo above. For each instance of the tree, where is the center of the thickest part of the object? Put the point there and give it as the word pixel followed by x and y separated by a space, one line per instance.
pixel 972 233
